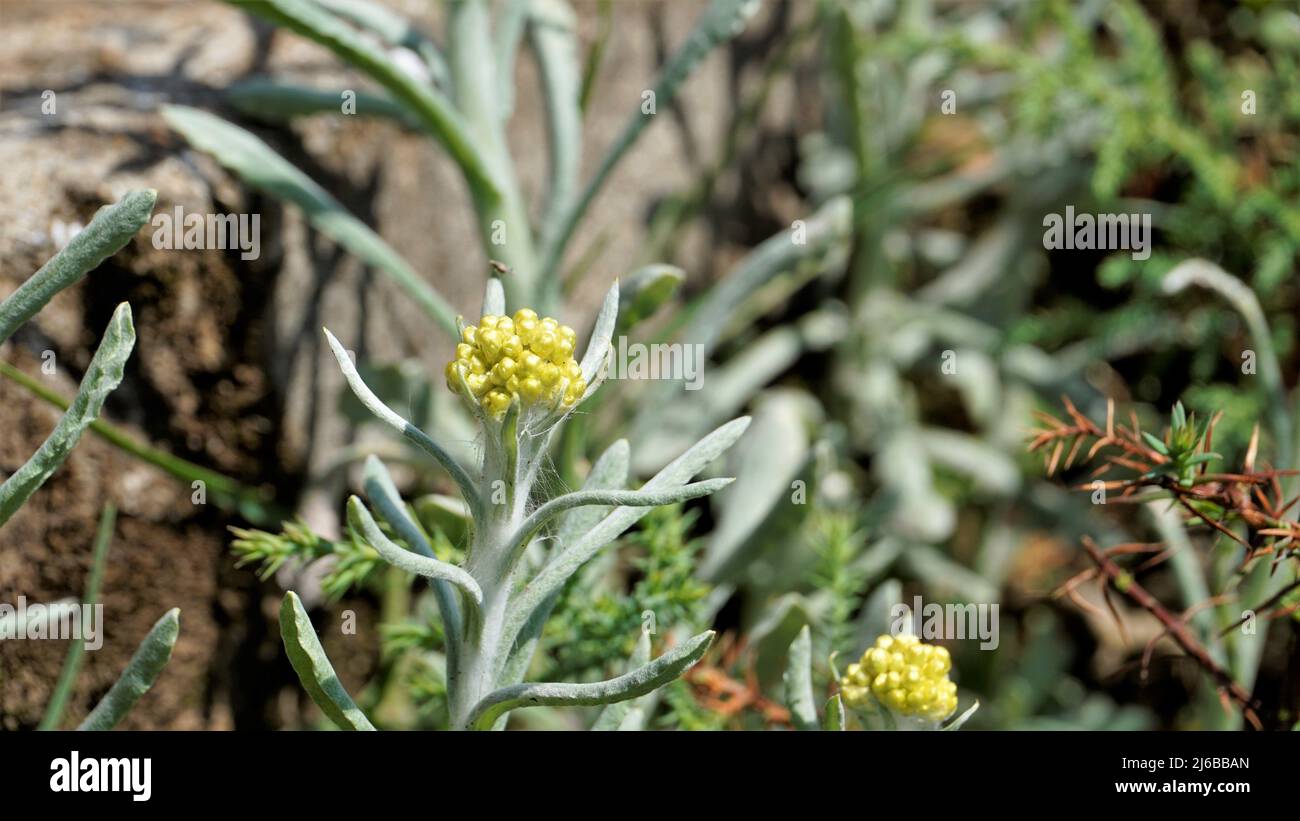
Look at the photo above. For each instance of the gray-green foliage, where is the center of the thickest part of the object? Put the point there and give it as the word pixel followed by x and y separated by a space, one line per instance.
pixel 111 229
pixel 314 669
pixel 525 543
pixel 461 94
pixel 103 375
pixel 141 672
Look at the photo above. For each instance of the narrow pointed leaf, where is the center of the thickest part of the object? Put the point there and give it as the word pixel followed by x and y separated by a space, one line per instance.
pixel 720 22
pixel 643 680
pixel 361 519
pixel 957 722
pixel 435 110
pixel 141 672
pixel 613 716
pixel 798 682
pixel 111 229
pixel 562 565
pixel 552 33
pixel 411 432
pixel 384 496
pixel 103 375
pixel 607 498
pixel 271 101
pixel 257 164
pixel 314 669
pixel 593 361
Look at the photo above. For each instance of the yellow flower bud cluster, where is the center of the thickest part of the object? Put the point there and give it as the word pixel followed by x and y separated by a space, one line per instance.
pixel 524 356
pixel 906 675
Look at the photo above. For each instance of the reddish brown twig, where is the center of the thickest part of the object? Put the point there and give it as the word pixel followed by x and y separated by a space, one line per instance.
pixel 1125 584
pixel 1272 600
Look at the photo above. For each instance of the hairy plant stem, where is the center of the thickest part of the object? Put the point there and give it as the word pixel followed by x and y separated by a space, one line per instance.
pixel 511 459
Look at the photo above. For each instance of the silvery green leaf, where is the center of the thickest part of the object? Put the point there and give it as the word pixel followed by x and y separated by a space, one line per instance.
pixel 834 714
pixel 767 462
pixel 957 722
pixel 414 434
pixel 393 29
pixel 562 565
pixel 980 384
pixel 720 22
pixel 645 291
pixel 614 715
pixel 723 390
pixel 257 164
pixel 609 498
pixel 141 672
pixel 643 680
pixel 1191 575
pixel 384 496
pixel 435 111
pixel 494 298
pixel 271 101
pixel 476 83
pixel 314 669
pixel 798 682
pixel 553 35
pixel 103 375
pixel 608 473
pixel 111 229
pixel 506 35
pixel 361 519
pixel 593 361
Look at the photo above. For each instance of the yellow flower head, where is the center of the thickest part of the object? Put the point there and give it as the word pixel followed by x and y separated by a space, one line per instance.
pixel 904 674
pixel 521 356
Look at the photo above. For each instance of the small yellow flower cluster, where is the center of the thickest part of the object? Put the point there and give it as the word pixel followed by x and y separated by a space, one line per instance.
pixel 906 675
pixel 523 356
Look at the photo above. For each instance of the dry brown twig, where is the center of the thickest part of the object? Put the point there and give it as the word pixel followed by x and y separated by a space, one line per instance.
pixel 1175 467
pixel 1175 627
